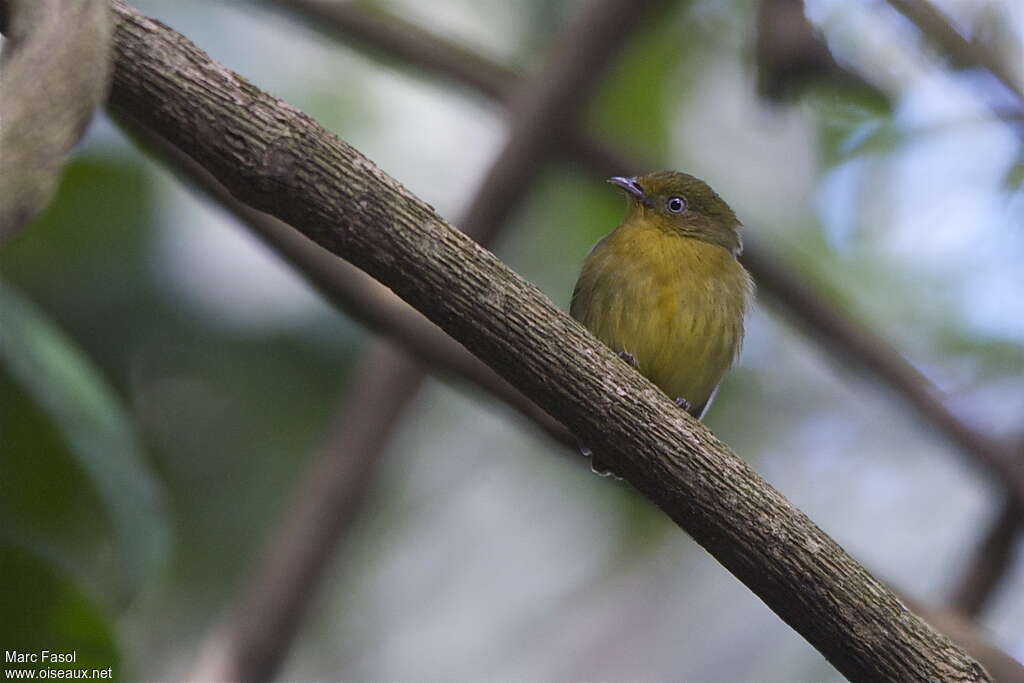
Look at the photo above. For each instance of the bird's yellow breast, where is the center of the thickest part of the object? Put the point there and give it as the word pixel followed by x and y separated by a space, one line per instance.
pixel 675 303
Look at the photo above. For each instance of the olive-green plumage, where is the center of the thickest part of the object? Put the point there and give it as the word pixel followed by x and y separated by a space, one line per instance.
pixel 666 287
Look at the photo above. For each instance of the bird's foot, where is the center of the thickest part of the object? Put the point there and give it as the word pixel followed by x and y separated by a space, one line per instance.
pixel 684 404
pixel 629 358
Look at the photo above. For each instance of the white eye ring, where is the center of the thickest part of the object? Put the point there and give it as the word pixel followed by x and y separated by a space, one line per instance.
pixel 675 204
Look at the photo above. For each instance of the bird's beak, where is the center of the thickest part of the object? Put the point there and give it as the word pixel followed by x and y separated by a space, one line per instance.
pixel 631 187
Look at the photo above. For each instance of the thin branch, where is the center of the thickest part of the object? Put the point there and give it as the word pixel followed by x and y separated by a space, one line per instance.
pixel 828 327
pixel 965 54
pixel 847 339
pixel 254 644
pixel 279 160
pixel 962 631
pixel 790 54
pixel 353 292
pixel 990 562
pixel 405 41
pixel 56 68
pixel 374 306
pixel 789 51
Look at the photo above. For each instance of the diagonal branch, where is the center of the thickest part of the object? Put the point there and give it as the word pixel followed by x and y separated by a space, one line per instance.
pixel 990 561
pixel 55 66
pixel 255 643
pixel 353 291
pixel 966 634
pixel 962 53
pixel 833 331
pixel 394 36
pixel 790 55
pixel 965 54
pixel 279 160
pixel 362 298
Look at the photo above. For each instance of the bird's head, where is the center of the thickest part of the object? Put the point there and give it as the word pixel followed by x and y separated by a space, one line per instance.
pixel 679 203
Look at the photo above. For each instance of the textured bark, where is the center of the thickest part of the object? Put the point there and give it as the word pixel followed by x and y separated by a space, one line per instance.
pixel 356 294
pixel 364 299
pixel 544 106
pixel 1001 666
pixel 55 66
pixel 785 32
pixel 834 332
pixel 280 161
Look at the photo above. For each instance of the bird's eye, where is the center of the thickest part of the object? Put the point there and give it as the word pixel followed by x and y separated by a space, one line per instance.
pixel 675 205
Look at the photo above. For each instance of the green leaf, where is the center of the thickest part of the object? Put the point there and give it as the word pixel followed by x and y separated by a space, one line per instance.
pixel 42 610
pixel 98 433
pixel 851 126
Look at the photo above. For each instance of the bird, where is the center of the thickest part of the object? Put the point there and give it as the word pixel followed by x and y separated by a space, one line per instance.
pixel 666 290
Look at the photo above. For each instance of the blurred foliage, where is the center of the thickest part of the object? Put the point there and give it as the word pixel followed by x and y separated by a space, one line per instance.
pixel 207 418
pixel 95 429
pixel 43 610
pixel 479 554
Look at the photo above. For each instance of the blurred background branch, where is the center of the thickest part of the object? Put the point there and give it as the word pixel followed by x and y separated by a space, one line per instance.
pixel 352 291
pixel 836 333
pixel 359 212
pixel 228 367
pixel 257 636
pixel 965 54
pixel 255 642
pixel 785 63
pixel 295 559
pixel 962 53
pixel 791 55
pixel 962 631
pixel 990 562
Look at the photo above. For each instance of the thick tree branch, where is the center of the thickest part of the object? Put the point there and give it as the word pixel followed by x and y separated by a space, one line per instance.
pixel 55 69
pixel 353 292
pixel 790 54
pixel 280 161
pixel 543 108
pixel 832 331
pixel 962 631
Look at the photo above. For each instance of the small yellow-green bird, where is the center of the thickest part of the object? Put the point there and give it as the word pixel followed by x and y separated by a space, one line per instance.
pixel 665 289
